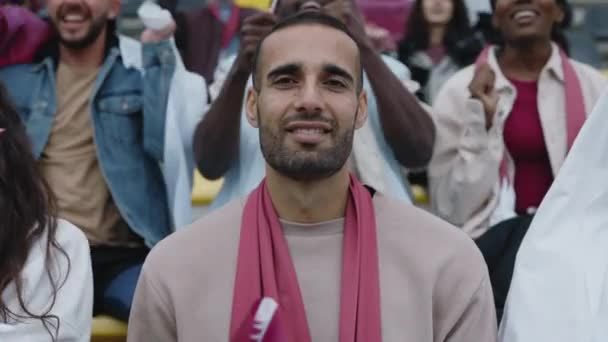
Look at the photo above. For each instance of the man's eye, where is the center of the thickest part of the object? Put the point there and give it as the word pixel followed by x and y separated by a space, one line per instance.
pixel 335 83
pixel 284 81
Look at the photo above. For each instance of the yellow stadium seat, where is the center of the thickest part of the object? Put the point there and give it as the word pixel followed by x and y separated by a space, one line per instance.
pixel 108 329
pixel 605 72
pixel 259 4
pixel 421 196
pixel 204 191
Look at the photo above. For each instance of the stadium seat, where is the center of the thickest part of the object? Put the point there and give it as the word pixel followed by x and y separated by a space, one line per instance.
pixel 108 329
pixel 259 4
pixel 204 191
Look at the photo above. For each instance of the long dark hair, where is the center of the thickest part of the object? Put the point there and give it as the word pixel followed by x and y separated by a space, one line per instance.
pixel 28 214
pixel 557 34
pixel 458 40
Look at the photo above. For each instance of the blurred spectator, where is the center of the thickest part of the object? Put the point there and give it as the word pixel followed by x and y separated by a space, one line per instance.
pixel 22 33
pixel 97 130
pixel 206 36
pixel 438 43
pixel 504 128
pixel 399 131
pixel 45 270
pixel 380 37
pixel 32 5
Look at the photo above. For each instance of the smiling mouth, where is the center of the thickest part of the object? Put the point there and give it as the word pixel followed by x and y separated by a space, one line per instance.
pixel 73 18
pixel 308 132
pixel 524 16
pixel 308 127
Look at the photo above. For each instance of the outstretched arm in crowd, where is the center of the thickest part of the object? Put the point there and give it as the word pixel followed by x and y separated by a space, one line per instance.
pixel 216 139
pixel 464 171
pixel 407 126
pixel 159 65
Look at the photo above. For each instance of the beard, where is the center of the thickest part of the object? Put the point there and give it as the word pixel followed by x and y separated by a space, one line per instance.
pixel 303 164
pixel 97 26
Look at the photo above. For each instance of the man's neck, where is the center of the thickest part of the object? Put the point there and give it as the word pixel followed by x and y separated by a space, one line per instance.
pixel 308 202
pixel 436 35
pixel 525 61
pixel 88 57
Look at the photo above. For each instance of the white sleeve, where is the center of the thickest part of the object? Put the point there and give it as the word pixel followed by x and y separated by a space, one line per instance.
pixel 73 304
pixel 219 76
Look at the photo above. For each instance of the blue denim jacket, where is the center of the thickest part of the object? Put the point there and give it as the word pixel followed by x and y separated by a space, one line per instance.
pixel 128 115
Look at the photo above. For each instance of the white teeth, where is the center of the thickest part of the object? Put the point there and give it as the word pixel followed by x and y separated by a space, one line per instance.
pixel 524 14
pixel 73 17
pixel 309 130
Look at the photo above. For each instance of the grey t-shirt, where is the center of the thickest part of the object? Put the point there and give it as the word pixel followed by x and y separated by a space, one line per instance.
pixel 433 281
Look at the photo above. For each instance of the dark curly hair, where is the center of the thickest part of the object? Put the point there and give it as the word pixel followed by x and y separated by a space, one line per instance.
pixel 28 214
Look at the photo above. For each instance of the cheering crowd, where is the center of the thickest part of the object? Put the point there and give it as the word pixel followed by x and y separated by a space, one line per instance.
pixel 320 124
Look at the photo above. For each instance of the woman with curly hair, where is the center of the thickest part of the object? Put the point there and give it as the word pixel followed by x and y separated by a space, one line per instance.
pixel 45 270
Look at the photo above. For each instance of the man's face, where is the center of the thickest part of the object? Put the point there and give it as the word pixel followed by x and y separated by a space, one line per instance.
pixel 308 104
pixel 80 22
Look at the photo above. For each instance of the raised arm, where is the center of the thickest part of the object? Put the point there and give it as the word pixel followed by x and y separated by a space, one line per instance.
pixel 216 139
pixel 407 127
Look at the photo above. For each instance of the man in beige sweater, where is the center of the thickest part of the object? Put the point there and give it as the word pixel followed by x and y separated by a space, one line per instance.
pixel 327 258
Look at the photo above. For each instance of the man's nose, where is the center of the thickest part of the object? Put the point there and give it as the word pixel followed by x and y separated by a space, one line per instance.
pixel 309 98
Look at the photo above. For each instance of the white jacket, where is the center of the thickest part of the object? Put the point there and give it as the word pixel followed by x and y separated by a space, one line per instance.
pixel 74 302
pixel 464 171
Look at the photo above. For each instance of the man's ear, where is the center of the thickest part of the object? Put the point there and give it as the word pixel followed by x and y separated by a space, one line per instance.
pixel 361 117
pixel 251 107
pixel 114 9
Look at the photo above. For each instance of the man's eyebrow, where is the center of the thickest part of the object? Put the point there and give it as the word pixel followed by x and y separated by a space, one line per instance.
pixel 285 69
pixel 333 69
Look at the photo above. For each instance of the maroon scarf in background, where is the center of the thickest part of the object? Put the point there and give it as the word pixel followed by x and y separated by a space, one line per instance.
pixel 231 27
pixel 265 270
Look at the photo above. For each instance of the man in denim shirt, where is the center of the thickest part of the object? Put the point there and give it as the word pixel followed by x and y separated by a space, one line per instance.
pixel 97 129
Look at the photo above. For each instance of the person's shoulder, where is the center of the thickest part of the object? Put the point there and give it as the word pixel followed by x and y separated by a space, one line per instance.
pixel 456 88
pixel 220 227
pixel 395 65
pixel 71 239
pixel 18 73
pixel 426 232
pixel 589 74
pixel 461 79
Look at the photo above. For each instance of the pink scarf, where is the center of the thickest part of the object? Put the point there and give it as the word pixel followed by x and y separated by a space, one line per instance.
pixel 573 95
pixel 231 26
pixel 265 271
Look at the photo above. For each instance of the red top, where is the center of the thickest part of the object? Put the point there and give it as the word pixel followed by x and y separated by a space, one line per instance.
pixel 524 139
pixel 436 53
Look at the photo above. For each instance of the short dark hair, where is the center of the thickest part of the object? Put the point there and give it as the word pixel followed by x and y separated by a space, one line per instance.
pixel 306 18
